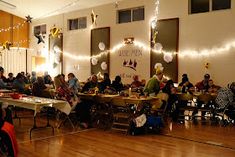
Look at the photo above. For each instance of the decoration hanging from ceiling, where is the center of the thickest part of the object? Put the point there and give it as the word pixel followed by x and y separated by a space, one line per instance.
pixel 55 32
pixel 57 49
pixel 93 17
pixel 116 4
pixel 168 57
pixel 207 65
pixel 158 47
pixel 94 61
pixel 154 41
pixel 28 19
pixel 6 45
pixel 103 65
pixel 40 38
pixel 17 26
pixel 159 67
pixel 101 46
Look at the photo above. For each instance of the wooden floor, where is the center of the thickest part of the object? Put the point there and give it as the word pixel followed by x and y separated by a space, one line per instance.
pixel 176 140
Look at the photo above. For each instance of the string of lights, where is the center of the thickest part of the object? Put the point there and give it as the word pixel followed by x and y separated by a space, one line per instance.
pixel 188 53
pixel 17 26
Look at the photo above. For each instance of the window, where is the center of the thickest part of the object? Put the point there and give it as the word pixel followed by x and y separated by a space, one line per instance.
pixel 221 4
pixel 79 23
pixel 200 6
pixel 124 16
pixel 82 23
pixel 138 14
pixel 129 15
pixel 73 24
pixel 41 29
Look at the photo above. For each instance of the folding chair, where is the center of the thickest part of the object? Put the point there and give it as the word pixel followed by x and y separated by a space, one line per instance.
pixel 206 102
pixel 68 117
pixel 186 106
pixel 121 115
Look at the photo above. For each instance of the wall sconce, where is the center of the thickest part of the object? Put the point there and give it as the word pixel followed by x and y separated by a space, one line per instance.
pixel 129 40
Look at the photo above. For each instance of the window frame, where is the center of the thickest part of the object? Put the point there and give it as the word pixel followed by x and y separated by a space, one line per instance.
pixel 210 7
pixel 132 14
pixel 78 26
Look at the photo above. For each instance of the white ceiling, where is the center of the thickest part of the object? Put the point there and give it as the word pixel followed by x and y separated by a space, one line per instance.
pixel 43 8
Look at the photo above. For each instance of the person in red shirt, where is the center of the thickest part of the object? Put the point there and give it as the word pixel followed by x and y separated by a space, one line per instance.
pixel 204 84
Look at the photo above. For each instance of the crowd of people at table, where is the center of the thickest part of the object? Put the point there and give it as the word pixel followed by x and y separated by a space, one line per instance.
pixel 59 88
pixel 68 90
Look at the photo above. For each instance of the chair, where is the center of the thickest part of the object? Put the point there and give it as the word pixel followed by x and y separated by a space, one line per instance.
pixel 102 112
pixel 222 115
pixel 68 117
pixel 185 104
pixel 121 115
pixel 163 98
pixel 206 101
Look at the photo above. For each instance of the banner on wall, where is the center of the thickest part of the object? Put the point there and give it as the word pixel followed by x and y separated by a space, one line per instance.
pixel 129 61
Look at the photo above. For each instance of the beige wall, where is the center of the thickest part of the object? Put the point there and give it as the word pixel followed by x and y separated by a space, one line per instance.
pixel 196 32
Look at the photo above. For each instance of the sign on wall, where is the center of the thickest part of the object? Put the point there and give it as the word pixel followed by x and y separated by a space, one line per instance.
pixel 130 60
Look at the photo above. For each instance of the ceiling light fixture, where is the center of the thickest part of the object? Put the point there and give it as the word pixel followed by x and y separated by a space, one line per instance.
pixel 8 4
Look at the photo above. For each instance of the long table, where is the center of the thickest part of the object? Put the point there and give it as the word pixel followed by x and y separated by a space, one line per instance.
pixel 36 104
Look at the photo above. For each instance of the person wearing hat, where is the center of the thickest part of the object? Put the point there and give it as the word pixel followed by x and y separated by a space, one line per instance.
pixel 157 82
pixel 185 85
pixel 204 84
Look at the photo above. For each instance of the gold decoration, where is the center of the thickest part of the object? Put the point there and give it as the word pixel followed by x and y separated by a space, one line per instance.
pixel 93 17
pixel 207 65
pixel 6 45
pixel 55 32
pixel 129 40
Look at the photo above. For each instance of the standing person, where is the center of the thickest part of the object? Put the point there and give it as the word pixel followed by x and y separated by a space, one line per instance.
pixel 157 82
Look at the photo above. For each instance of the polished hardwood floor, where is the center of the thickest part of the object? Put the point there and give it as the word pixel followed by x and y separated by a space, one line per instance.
pixel 175 140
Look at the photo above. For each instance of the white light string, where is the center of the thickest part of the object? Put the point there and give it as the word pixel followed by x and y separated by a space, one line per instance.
pixel 17 26
pixel 190 53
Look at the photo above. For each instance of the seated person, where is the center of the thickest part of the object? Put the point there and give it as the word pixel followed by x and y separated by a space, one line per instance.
pixel 33 77
pixel 185 85
pixel 117 84
pixel 3 79
pixel 19 83
pixel 204 84
pixel 105 83
pixel 10 79
pixel 73 83
pixel 91 84
pixel 47 78
pixel 136 83
pixel 225 98
pixel 212 87
pixel 39 89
